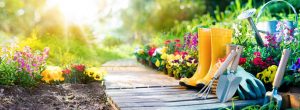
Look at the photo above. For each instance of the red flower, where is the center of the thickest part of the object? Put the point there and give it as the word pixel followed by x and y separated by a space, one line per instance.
pixel 183 53
pixel 151 51
pixel 178 45
pixel 257 61
pixel 242 61
pixel 79 67
pixel 66 71
pixel 221 59
pixel 257 54
pixel 177 40
pixel 167 42
pixel 176 53
pixel 264 65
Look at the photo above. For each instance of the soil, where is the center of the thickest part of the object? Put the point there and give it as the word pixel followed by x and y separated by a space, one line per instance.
pixel 55 97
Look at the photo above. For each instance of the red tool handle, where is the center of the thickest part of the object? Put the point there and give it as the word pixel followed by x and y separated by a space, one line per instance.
pixel 281 68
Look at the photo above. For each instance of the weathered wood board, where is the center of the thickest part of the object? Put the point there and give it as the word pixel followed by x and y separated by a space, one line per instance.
pixel 168 98
pixel 145 89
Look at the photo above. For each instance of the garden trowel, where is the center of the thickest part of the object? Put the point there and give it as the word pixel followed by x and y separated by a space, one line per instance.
pixel 229 83
pixel 273 95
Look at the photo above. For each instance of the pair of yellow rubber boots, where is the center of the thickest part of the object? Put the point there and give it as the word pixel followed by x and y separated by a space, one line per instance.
pixel 211 46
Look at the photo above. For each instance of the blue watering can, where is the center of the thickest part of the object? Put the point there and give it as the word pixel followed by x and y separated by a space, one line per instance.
pixel 270 26
pixel 267 26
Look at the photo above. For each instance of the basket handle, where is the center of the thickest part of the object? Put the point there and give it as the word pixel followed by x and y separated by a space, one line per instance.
pixel 273 1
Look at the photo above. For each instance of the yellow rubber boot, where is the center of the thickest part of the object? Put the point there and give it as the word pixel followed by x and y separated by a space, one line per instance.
pixel 204 55
pixel 219 39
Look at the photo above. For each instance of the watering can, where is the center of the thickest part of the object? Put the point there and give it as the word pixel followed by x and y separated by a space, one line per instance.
pixel 270 26
pixel 267 26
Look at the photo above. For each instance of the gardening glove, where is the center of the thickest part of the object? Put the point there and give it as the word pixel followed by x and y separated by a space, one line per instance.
pixel 250 87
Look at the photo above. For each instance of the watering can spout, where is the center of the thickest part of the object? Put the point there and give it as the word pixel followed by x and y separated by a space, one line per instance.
pixel 247 15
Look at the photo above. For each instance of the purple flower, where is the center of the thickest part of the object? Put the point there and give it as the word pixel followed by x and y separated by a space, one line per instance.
pixel 296 66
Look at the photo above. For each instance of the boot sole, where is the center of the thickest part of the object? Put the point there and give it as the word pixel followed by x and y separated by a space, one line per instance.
pixel 200 86
pixel 189 86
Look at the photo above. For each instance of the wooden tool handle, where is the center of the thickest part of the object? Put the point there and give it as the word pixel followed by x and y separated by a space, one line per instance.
pixel 281 68
pixel 224 65
pixel 236 60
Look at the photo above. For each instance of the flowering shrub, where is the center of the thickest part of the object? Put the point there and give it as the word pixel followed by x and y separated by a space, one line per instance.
pixel 191 44
pixel 259 59
pixel 173 47
pixel 22 67
pixel 27 68
pixel 79 73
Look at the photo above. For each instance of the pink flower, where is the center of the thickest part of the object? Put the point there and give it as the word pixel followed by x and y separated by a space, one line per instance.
pixel 257 61
pixel 79 67
pixel 178 45
pixel 257 54
pixel 167 42
pixel 242 61
pixel 177 40
pixel 151 51
pixel 66 71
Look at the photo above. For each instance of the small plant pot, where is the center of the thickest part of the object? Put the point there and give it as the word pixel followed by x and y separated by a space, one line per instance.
pixel 143 61
pixel 176 75
pixel 295 100
pixel 285 100
pixel 295 97
pixel 165 71
pixel 170 73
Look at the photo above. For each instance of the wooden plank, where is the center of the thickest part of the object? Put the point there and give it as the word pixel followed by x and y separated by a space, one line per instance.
pixel 147 88
pixel 150 90
pixel 174 97
pixel 214 106
pixel 120 94
pixel 167 104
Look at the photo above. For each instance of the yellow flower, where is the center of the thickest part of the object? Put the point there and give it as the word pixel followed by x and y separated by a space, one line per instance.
pixel 164 56
pixel 95 73
pixel 272 68
pixel 163 62
pixel 187 57
pixel 188 64
pixel 177 57
pixel 164 50
pixel 170 57
pixel 52 73
pixel 140 51
pixel 157 63
pixel 97 76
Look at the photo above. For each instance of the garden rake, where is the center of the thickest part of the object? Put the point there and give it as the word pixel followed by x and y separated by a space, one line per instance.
pixel 203 93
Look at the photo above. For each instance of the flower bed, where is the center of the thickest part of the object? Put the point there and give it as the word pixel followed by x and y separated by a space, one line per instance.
pixel 181 60
pixel 27 82
pixel 174 58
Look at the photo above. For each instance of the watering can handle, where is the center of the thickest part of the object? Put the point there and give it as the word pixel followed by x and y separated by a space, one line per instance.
pixel 273 1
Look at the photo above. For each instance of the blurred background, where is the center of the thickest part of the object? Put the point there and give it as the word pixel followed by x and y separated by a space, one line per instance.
pixel 95 31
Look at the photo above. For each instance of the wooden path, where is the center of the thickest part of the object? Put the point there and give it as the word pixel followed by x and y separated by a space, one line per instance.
pixel 132 86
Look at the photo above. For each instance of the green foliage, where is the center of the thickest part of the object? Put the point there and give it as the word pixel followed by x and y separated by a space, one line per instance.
pixel 8 71
pixel 111 41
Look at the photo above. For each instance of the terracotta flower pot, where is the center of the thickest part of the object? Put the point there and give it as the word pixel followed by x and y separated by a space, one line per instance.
pixel 295 100
pixel 285 100
pixel 165 71
pixel 295 97
pixel 170 73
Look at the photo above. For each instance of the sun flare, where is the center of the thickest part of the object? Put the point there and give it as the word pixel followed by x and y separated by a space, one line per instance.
pixel 77 11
